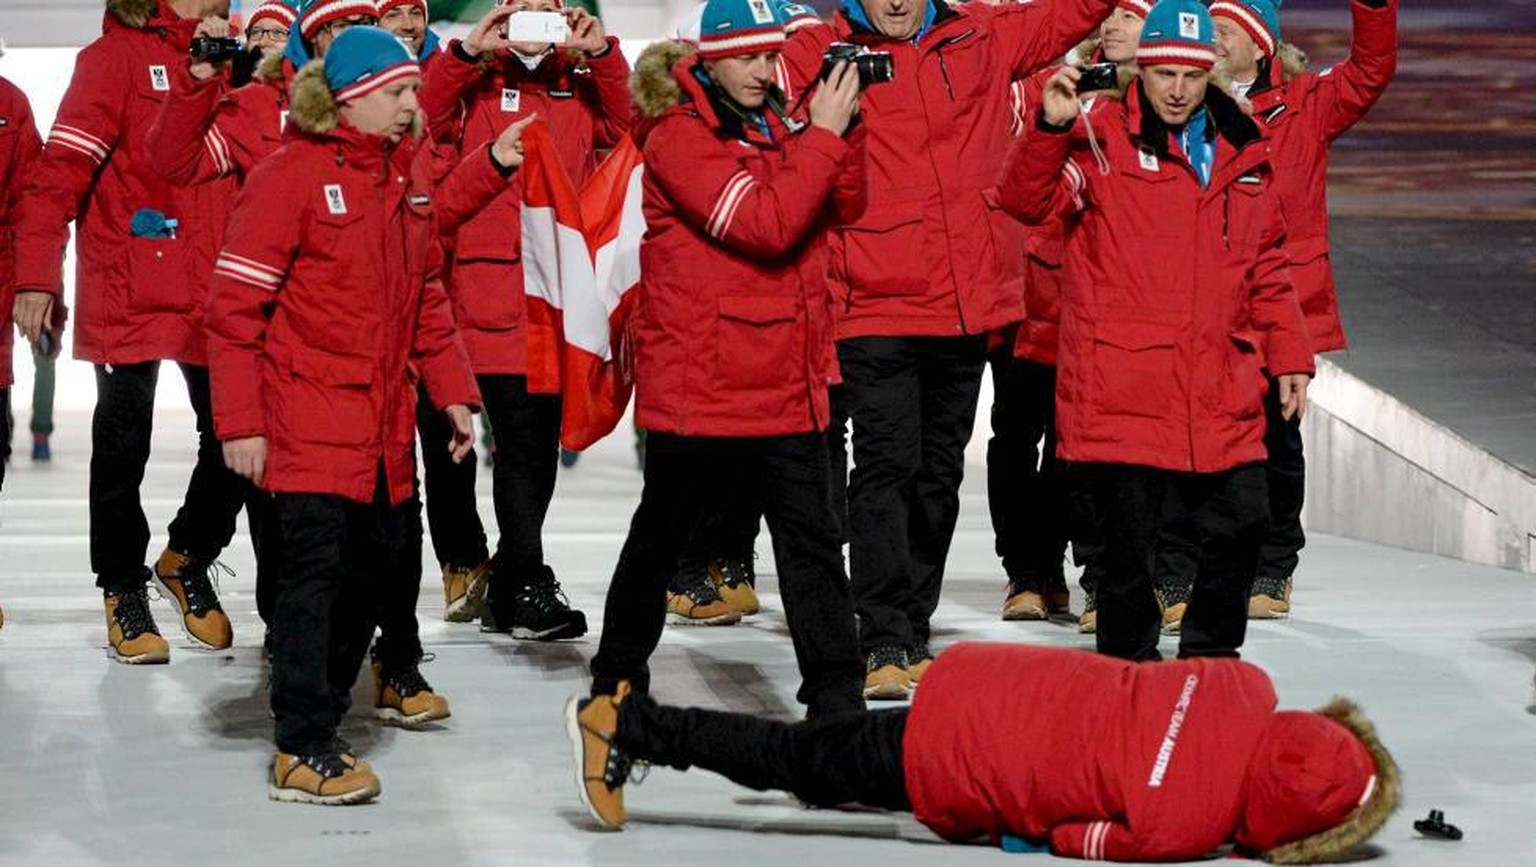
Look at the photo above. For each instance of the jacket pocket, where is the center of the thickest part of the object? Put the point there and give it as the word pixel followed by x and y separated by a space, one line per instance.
pixel 1135 368
pixel 756 342
pixel 883 254
pixel 488 295
pixel 329 400
pixel 1247 384
pixel 159 276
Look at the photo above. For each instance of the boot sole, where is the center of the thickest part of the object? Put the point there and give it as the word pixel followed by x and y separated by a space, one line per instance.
pixel 390 716
pixel 579 760
pixel 523 633
pixel 299 796
pixel 197 643
pixel 141 659
pixel 718 620
pixel 467 608
pixel 887 692
pixel 1014 616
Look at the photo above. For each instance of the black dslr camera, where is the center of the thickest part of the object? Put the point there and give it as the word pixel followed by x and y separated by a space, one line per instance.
pixel 874 66
pixel 1098 76
pixel 214 49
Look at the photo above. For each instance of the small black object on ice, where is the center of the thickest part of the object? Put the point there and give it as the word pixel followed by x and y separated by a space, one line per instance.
pixel 1436 827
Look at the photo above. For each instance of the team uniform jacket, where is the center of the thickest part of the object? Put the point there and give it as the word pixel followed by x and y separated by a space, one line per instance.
pixel 733 334
pixel 585 111
pixel 1103 758
pixel 19 149
pixel 1303 116
pixel 137 298
pixel 326 310
pixel 209 132
pixel 1176 298
pixel 1044 246
pixel 934 254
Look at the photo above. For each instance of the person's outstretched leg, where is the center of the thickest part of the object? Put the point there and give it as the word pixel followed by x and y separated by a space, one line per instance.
pixel 846 758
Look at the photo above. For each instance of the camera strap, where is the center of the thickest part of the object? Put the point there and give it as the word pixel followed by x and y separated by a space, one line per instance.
pixel 1093 140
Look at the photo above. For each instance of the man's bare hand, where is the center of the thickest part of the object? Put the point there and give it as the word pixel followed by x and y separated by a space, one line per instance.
pixel 33 312
pixel 463 423
pixel 489 33
pixel 214 28
pixel 1293 395
pixel 247 457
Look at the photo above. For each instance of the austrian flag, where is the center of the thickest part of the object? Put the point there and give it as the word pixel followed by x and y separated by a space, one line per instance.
pixel 581 263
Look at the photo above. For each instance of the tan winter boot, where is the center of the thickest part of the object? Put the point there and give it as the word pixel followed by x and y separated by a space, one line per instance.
pixel 885 675
pixel 1271 599
pixel 131 629
pixel 331 779
pixel 186 584
pixel 404 698
pixel 601 767
pixel 734 580
pixel 464 591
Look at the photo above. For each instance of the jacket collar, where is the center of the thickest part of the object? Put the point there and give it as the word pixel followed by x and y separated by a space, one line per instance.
pixel 853 21
pixel 1235 127
pixel 153 16
pixel 716 109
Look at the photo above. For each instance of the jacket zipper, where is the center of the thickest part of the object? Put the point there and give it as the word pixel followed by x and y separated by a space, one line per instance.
pixel 944 67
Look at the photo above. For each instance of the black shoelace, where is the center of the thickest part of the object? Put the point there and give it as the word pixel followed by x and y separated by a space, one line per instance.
pixel 132 614
pixel 883 656
pixel 919 652
pixel 545 596
pixel 702 592
pixel 407 681
pixel 328 765
pixel 199 585
pixel 737 572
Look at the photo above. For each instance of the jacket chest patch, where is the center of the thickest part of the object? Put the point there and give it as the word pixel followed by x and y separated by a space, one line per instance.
pixel 1149 160
pixel 335 202
pixel 511 99
pixel 159 79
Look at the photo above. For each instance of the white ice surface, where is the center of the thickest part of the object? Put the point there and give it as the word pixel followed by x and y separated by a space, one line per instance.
pixel 108 764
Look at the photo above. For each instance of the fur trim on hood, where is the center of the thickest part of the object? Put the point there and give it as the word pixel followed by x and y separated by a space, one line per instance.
pixel 310 105
pixel 133 13
pixel 270 68
pixel 1293 61
pixel 1365 821
pixel 655 90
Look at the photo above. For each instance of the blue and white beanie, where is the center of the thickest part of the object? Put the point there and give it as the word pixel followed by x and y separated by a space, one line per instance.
pixel 729 28
pixel 364 59
pixel 1178 33
pixel 1259 18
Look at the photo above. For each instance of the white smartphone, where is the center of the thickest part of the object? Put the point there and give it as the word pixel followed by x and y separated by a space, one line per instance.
pixel 538 27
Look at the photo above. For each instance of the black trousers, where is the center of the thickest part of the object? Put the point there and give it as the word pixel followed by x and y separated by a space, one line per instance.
pixel 526 429
pixel 1025 492
pixel 5 432
pixel 120 437
pixel 791 471
pixel 1229 514
pixel 913 404
pixel 339 561
pixel 840 759
pixel 458 536
pixel 1285 469
pixel 730 532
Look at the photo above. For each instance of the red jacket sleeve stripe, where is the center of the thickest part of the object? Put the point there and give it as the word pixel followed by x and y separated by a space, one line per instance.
pixel 725 206
pixel 79 140
pixel 248 271
pixel 218 148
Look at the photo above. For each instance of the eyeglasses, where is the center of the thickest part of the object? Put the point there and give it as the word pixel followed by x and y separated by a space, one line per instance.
pixel 264 33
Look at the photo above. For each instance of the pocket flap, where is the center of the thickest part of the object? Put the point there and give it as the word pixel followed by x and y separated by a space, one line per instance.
pixel 1136 336
pixel 339 370
pixel 758 310
pixel 885 217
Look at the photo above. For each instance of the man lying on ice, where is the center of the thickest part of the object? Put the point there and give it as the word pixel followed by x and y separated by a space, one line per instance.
pixel 1102 758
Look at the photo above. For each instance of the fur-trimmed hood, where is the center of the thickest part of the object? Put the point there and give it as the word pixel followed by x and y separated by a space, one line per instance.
pixel 1363 823
pixel 655 88
pixel 1293 61
pixel 271 68
pixel 134 13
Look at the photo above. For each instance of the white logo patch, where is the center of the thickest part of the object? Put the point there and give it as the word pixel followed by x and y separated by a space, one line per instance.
pixel 761 12
pixel 1149 161
pixel 334 200
pixel 1189 25
pixel 158 79
pixel 282 121
pixel 511 99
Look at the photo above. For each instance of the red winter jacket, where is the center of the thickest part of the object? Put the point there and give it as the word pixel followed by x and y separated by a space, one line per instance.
pixel 933 254
pixel 19 149
pixel 585 110
pixel 732 333
pixel 1176 298
pixel 136 298
pixel 1044 247
pixel 1302 117
pixel 325 311
pixel 209 132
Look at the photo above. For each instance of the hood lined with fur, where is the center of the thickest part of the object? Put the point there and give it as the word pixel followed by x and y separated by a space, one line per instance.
pixel 655 88
pixel 134 13
pixel 311 106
